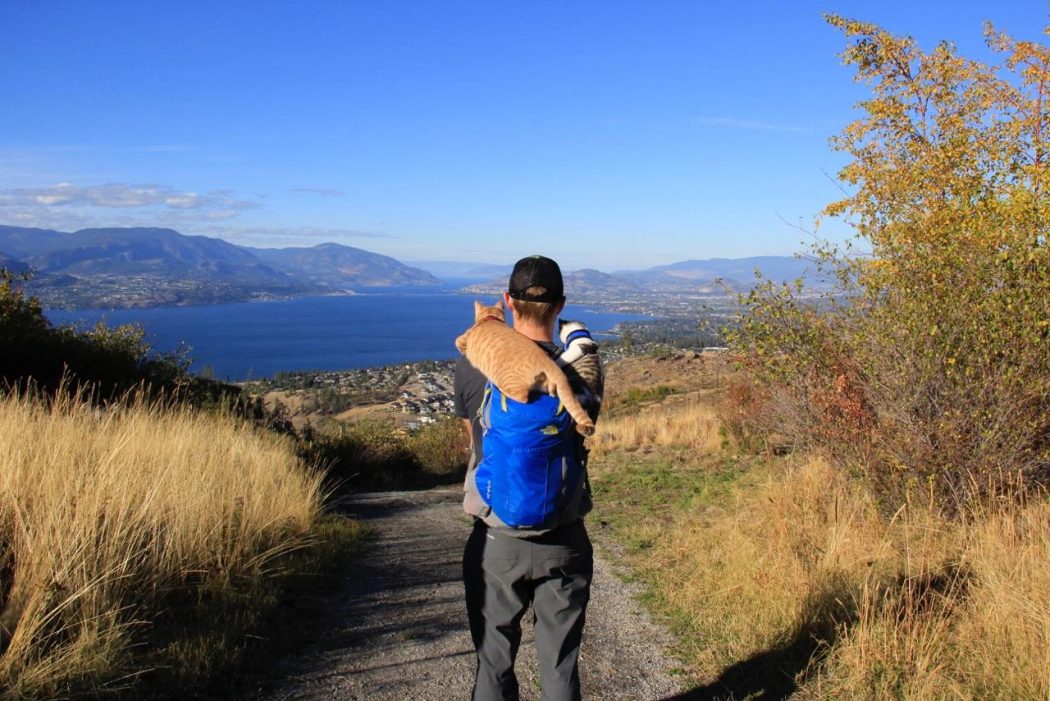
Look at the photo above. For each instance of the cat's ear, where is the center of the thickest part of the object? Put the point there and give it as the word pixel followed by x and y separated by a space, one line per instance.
pixel 499 304
pixel 477 306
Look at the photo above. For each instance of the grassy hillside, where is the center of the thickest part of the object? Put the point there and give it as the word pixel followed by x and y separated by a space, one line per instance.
pixel 898 548
pixel 138 546
pixel 780 574
pixel 151 527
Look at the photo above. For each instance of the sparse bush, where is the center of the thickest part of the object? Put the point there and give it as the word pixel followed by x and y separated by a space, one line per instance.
pixel 376 453
pixel 441 448
pixel 633 397
pixel 929 372
pixel 742 406
pixel 369 452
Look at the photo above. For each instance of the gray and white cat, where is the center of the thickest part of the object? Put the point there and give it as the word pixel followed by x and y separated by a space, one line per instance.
pixel 581 364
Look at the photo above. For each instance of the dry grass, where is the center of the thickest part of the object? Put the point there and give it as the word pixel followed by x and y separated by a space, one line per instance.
pixel 687 424
pixel 758 573
pixel 102 516
pixel 785 576
pixel 969 617
pixel 913 607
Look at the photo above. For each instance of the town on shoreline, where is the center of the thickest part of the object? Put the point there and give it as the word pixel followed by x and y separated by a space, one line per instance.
pixel 418 393
pixel 414 394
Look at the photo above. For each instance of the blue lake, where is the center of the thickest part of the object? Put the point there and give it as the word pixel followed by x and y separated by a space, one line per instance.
pixel 257 339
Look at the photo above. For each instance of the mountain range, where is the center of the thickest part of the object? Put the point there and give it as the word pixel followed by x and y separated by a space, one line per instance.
pixel 133 267
pixel 713 277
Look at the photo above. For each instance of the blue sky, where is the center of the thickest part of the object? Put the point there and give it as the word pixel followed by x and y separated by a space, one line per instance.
pixel 605 134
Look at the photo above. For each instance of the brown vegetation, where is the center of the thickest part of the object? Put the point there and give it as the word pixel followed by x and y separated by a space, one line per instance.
pixel 107 517
pixel 783 575
pixel 686 424
pixel 375 452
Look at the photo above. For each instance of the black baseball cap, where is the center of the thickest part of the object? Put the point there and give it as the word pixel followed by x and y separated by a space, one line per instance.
pixel 536 271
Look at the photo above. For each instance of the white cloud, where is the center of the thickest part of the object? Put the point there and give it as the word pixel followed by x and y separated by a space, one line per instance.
pixel 189 200
pixel 56 198
pixel 221 214
pixel 119 195
pixel 124 195
pixel 191 222
pixel 63 218
pixel 68 207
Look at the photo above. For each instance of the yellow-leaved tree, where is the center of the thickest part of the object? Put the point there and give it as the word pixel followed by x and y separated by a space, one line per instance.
pixel 929 367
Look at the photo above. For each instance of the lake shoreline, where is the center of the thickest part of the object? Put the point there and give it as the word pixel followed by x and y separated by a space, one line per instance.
pixel 244 340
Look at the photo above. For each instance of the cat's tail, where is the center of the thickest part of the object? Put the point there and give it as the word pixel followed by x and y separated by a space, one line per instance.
pixel 560 386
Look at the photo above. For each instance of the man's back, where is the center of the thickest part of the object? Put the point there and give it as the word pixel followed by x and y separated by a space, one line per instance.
pixel 505 570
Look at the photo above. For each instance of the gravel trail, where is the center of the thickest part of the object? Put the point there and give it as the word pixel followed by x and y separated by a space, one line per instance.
pixel 398 628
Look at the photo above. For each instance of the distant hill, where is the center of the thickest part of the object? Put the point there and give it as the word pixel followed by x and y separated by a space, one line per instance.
pixel 12 265
pixel 715 277
pixel 343 267
pixel 161 252
pixel 131 267
pixel 588 281
pixel 720 276
pixel 463 271
pixel 24 242
pixel 779 268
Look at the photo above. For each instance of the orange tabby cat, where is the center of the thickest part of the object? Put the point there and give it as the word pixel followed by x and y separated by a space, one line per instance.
pixel 516 364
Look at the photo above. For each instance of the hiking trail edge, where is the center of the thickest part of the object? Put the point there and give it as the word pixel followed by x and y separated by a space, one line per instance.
pixel 396 625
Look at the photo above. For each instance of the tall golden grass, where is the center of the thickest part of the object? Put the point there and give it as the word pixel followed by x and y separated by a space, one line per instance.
pixel 969 616
pixel 807 575
pixel 688 424
pixel 915 606
pixel 103 514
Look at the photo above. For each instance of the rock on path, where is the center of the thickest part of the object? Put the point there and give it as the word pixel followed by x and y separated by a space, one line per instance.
pixel 398 630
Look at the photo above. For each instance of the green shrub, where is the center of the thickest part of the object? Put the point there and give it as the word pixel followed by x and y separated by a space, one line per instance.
pixel 111 360
pixel 106 364
pixel 634 397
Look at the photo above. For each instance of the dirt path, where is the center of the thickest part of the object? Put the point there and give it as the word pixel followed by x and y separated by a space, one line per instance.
pixel 398 632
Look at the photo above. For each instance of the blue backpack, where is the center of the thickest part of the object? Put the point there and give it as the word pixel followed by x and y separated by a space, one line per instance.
pixel 531 465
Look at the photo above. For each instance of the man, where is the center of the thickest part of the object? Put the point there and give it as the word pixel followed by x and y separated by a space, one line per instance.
pixel 506 569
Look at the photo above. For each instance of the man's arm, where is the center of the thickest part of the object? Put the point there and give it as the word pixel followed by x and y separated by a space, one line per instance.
pixel 470 432
pixel 469 387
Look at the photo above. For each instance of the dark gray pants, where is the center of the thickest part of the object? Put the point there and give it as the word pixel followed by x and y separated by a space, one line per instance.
pixel 502 576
